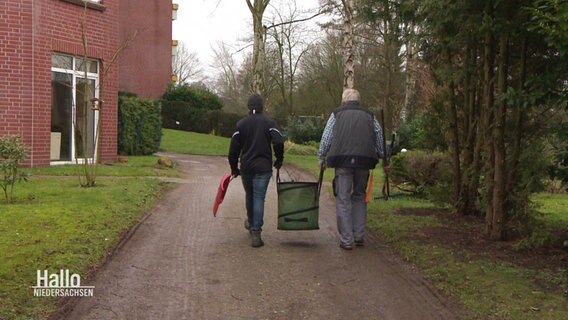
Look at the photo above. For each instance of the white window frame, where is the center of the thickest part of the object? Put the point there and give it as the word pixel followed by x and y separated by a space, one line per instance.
pixel 78 74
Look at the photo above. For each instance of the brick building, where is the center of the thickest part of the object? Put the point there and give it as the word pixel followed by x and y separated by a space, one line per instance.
pixel 46 84
pixel 145 66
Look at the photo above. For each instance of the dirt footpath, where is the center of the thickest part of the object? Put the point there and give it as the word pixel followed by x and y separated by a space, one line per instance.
pixel 182 263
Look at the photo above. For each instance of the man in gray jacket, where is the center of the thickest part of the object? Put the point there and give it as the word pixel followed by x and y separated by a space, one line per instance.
pixel 352 144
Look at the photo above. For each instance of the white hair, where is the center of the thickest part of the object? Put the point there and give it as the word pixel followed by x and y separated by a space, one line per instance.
pixel 350 95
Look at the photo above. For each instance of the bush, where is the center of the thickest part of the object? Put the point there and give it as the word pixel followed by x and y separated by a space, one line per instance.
pixel 194 97
pixel 186 108
pixel 139 126
pixel 12 152
pixel 425 174
pixel 303 130
pixel 421 132
pixel 182 116
pixel 222 123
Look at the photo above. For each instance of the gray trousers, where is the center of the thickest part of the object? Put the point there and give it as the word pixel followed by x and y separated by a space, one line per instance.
pixel 351 209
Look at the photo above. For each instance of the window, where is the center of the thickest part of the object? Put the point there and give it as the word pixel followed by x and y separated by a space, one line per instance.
pixel 92 4
pixel 73 119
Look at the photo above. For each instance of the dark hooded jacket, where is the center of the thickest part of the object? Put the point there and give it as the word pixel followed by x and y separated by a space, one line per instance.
pixel 253 140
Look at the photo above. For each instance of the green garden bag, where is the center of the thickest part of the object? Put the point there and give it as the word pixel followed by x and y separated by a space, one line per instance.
pixel 298 204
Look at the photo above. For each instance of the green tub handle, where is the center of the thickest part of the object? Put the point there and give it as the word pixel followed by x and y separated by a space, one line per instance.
pixel 296 220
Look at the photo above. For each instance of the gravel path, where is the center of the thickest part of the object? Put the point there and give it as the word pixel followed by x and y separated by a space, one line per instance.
pixel 182 263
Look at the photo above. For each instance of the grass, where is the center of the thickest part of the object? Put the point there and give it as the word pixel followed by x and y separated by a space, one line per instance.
pixel 487 289
pixel 554 208
pixel 55 224
pixel 137 166
pixel 194 143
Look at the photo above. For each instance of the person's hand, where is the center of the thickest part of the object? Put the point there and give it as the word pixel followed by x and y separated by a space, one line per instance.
pixel 235 172
pixel 278 164
pixel 322 164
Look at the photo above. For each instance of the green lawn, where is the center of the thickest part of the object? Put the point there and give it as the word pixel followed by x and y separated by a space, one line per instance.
pixel 554 208
pixel 194 143
pixel 56 224
pixel 137 166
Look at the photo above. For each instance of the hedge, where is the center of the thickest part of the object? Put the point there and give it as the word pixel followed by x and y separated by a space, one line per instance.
pixel 194 96
pixel 139 126
pixel 302 130
pixel 181 115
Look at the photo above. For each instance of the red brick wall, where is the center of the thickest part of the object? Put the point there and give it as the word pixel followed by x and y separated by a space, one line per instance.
pixel 16 68
pixel 33 30
pixel 146 64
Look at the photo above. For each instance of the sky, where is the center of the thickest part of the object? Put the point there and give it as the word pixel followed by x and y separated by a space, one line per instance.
pixel 201 24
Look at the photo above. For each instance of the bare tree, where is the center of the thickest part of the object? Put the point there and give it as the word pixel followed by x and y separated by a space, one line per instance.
pixel 186 66
pixel 289 46
pixel 258 58
pixel 347 44
pixel 257 9
pixel 321 77
pixel 87 141
pixel 346 10
pixel 230 78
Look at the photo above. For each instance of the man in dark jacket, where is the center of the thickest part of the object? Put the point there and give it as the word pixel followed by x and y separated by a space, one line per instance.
pixel 352 144
pixel 252 141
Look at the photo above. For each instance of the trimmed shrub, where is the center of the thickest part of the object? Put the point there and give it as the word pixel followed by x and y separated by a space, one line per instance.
pixel 303 130
pixel 195 97
pixel 223 123
pixel 425 174
pixel 182 116
pixel 139 126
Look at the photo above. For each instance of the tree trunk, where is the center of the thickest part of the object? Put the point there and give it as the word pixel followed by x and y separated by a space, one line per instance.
pixel 282 81
pixel 387 106
pixel 470 131
pixel 453 134
pixel 258 50
pixel 475 167
pixel 499 195
pixel 410 82
pixel 391 53
pixel 488 116
pixel 348 57
pixel 519 118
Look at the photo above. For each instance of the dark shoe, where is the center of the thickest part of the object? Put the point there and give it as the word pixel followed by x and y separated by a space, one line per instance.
pixel 256 239
pixel 360 243
pixel 247 225
pixel 346 246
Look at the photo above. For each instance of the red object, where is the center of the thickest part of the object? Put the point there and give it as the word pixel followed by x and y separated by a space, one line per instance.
pixel 369 195
pixel 221 190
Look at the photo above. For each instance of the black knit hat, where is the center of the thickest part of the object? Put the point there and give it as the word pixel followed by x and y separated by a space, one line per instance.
pixel 255 102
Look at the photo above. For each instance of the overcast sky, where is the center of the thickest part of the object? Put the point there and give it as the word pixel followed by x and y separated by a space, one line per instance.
pixel 201 24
